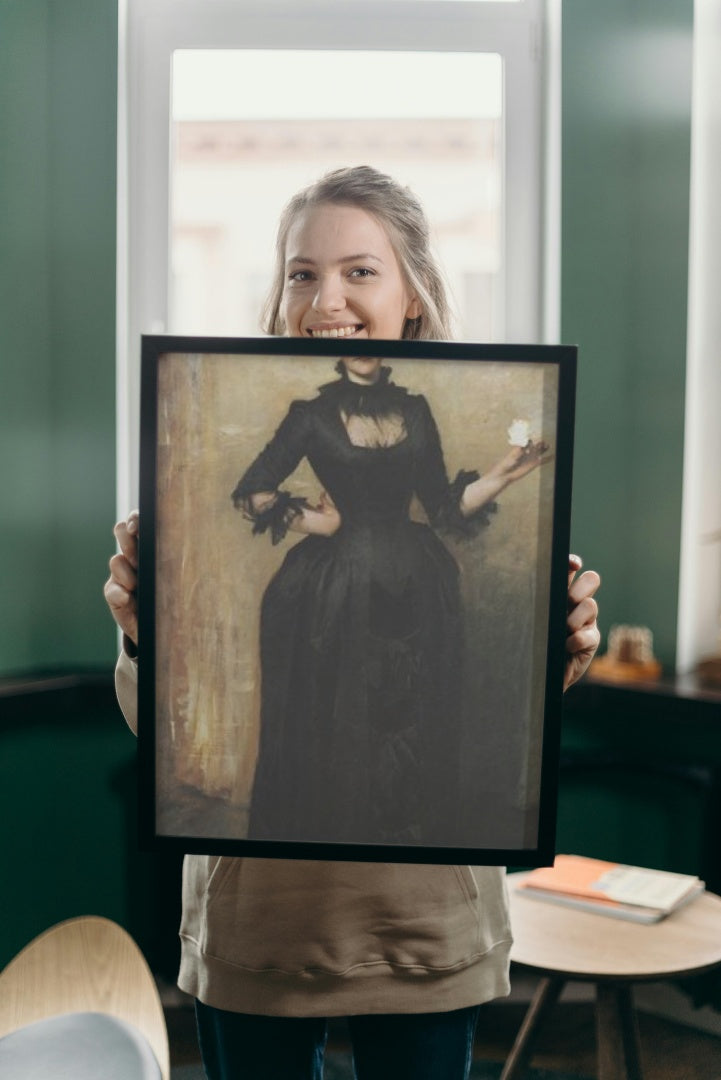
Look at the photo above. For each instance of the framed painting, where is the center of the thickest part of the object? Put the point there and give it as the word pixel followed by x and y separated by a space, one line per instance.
pixel 352 597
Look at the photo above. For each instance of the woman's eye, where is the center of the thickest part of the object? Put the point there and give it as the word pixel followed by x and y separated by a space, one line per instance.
pixel 362 272
pixel 300 276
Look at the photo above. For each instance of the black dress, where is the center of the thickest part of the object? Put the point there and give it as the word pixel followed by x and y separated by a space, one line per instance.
pixel 361 632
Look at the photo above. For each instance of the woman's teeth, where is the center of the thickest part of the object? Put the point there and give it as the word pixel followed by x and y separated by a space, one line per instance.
pixel 336 332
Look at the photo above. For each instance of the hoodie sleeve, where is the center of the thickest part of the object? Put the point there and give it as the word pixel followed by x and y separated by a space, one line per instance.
pixel 126 688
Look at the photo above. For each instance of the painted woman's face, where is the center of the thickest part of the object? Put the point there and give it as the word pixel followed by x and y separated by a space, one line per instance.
pixel 343 280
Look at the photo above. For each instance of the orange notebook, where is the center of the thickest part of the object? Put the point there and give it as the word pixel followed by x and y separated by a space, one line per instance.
pixel 632 892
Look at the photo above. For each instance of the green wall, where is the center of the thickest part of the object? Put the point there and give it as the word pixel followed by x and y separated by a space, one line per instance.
pixel 641 779
pixel 626 146
pixel 66 759
pixel 58 71
pixel 68 806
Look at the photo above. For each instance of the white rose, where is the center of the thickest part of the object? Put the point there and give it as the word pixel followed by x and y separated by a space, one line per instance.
pixel 519 433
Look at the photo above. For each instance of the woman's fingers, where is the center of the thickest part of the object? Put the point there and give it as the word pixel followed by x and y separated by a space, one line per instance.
pixel 120 600
pixel 584 613
pixel 582 607
pixel 582 634
pixel 123 573
pixel 123 607
pixel 584 641
pixel 121 587
pixel 126 534
pixel 583 588
pixel 575 563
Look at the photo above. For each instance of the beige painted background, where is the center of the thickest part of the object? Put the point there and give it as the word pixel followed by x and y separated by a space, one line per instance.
pixel 216 412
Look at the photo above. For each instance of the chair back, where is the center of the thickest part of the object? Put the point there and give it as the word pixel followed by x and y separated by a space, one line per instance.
pixel 87 964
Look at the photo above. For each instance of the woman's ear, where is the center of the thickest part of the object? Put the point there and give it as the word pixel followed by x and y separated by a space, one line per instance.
pixel 415 309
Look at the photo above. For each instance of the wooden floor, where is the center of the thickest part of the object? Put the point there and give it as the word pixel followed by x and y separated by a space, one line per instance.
pixel 669 1051
pixel 567 1042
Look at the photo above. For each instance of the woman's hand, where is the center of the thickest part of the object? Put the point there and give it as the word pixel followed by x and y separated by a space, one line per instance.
pixel 582 634
pixel 320 520
pixel 121 587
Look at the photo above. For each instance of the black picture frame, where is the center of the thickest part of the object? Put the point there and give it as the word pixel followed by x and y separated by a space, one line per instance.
pixel 208 407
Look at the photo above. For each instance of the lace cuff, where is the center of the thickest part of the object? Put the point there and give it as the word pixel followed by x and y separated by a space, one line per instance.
pixel 277 516
pixel 450 519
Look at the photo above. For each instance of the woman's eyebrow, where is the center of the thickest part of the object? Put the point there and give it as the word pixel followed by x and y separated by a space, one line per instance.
pixel 362 256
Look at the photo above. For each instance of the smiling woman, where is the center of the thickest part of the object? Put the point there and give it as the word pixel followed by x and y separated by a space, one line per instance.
pixel 353 257
pixel 331 292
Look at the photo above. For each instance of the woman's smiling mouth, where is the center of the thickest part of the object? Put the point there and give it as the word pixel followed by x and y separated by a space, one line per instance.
pixel 334 331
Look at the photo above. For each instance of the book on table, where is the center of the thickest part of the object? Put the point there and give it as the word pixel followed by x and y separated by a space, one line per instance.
pixel 609 888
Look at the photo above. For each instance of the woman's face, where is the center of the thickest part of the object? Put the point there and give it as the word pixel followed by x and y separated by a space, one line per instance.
pixel 343 280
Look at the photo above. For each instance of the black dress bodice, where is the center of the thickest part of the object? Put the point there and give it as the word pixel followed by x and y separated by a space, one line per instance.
pixel 366 483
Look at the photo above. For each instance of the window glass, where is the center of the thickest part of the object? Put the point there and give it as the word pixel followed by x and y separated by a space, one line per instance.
pixel 466 1
pixel 251 127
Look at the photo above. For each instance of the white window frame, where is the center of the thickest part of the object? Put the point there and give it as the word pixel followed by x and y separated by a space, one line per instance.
pixel 699 597
pixel 526 34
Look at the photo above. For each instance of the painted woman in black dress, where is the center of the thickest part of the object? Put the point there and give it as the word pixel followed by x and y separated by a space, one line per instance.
pixel 361 631
pixel 361 638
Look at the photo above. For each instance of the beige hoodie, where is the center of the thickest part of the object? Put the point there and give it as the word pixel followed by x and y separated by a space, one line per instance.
pixel 287 937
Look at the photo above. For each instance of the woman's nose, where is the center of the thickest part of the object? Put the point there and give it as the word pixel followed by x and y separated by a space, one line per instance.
pixel 329 296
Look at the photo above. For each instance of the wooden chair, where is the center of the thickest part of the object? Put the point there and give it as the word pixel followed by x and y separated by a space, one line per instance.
pixel 91 973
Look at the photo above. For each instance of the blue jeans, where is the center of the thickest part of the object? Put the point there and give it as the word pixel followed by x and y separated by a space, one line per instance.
pixel 416 1046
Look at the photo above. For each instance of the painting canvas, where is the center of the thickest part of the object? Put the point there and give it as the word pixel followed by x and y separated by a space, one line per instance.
pixel 386 689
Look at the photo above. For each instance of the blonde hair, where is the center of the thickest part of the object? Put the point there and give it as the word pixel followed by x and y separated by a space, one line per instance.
pixel 403 217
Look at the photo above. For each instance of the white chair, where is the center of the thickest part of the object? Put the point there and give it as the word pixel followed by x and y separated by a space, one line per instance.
pixel 79 1002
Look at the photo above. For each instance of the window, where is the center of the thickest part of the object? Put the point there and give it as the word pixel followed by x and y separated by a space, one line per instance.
pixel 235 161
pixel 227 107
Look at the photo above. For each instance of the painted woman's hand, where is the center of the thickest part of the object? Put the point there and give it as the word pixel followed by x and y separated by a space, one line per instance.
pixel 519 461
pixel 121 587
pixel 582 634
pixel 320 520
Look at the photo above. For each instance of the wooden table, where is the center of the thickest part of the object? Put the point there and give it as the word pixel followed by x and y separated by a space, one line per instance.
pixel 563 944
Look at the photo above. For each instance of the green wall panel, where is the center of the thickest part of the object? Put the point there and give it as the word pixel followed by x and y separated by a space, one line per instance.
pixel 58 75
pixel 26 481
pixel 82 301
pixel 68 785
pixel 61 788
pixel 626 145
pixel 641 778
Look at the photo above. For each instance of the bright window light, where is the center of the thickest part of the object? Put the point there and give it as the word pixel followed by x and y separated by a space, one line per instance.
pixel 238 155
pixel 220 84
